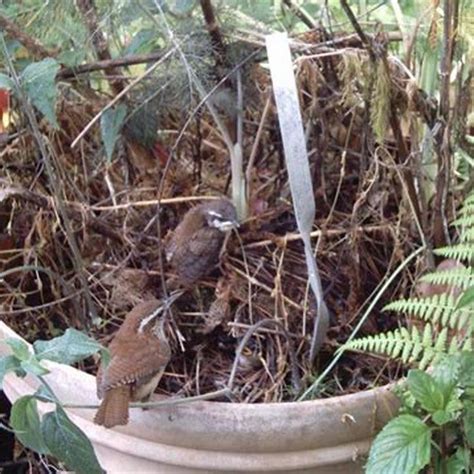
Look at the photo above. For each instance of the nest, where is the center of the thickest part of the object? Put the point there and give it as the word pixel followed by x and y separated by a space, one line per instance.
pixel 83 248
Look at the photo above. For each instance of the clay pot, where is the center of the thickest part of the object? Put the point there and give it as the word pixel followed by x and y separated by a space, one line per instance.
pixel 323 436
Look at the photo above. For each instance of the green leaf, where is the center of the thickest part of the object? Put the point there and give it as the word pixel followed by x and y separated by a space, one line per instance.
pixel 69 348
pixel 68 443
pixel 44 394
pixel 182 7
pixel 142 42
pixel 33 366
pixel 466 299
pixel 441 417
pixel 459 462
pixel 110 126
pixel 24 419
pixel 38 81
pixel 425 390
pixel 468 422
pixel 446 374
pixel 6 82
pixel 19 348
pixel 8 364
pixel 403 446
pixel 466 372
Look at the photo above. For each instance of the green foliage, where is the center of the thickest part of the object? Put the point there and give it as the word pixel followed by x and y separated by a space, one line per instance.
pixel 467 299
pixel 67 442
pixel 38 81
pixel 447 319
pixel 437 407
pixel 435 309
pixel 441 415
pixel 25 420
pixel 55 433
pixel 69 348
pixel 402 446
pixel 6 82
pixel 454 277
pixel 111 123
pixel 8 364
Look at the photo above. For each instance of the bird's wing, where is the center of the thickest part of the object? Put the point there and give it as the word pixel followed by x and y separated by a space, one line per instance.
pixel 133 360
pixel 205 241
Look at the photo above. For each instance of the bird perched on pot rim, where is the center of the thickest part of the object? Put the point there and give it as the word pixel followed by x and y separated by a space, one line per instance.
pixel 194 248
pixel 139 354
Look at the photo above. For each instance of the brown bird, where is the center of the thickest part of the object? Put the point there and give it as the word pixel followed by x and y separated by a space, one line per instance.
pixel 194 248
pixel 139 353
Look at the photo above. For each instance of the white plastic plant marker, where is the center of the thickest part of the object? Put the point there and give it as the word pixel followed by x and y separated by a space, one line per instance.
pixel 296 158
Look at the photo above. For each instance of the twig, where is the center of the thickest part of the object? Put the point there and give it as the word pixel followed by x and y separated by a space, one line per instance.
pixel 214 32
pixel 265 322
pixel 301 13
pixel 162 403
pixel 89 12
pixel 31 44
pixel 68 72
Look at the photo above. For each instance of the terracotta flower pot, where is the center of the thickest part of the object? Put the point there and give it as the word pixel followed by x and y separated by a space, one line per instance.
pixel 324 436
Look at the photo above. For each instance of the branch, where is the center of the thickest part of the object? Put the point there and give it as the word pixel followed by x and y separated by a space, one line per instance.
pixel 214 32
pixel 68 72
pixel 89 11
pixel 31 44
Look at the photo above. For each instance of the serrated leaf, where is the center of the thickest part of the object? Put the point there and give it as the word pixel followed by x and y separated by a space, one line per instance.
pixel 19 348
pixel 24 419
pixel 68 443
pixel 446 374
pixel 459 462
pixel 6 82
pixel 69 348
pixel 425 390
pixel 403 446
pixel 111 123
pixel 38 81
pixel 441 417
pixel 8 364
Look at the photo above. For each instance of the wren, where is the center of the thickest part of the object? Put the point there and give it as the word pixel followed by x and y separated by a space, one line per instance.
pixel 194 248
pixel 139 354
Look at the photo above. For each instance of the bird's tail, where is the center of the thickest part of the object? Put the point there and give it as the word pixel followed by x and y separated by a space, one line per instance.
pixel 114 407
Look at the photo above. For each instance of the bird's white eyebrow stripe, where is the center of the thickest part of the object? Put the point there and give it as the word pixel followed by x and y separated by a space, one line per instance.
pixel 146 320
pixel 215 214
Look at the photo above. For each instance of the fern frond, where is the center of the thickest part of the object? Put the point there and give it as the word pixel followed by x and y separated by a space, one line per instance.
pixel 409 346
pixel 461 278
pixel 469 202
pixel 436 309
pixel 467 235
pixel 464 251
pixel 467 219
pixel 454 327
